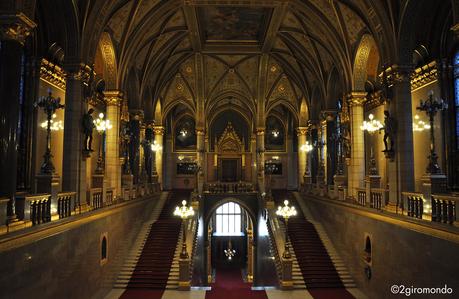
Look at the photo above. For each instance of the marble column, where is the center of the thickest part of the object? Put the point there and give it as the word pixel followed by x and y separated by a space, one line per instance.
pixel 357 164
pixel 74 161
pixel 13 32
pixel 113 98
pixel 302 155
pixel 401 173
pixel 159 135
pixel 261 159
pixel 200 154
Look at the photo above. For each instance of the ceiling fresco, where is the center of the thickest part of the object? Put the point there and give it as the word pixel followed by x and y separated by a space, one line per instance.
pixel 233 23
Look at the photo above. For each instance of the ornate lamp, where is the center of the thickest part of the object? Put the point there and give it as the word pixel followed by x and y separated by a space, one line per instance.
pixel 184 212
pixel 49 104
pixel 102 125
pixel 306 148
pixel 155 147
pixel 286 212
pixel 431 107
pixel 229 252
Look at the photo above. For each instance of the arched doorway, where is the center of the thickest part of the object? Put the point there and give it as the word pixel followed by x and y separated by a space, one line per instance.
pixel 230 241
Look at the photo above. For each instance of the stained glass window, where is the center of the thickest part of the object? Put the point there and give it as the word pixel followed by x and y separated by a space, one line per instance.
pixel 456 94
pixel 228 218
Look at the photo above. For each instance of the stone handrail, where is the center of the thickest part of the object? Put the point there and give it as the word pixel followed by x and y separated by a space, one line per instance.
pixel 413 203
pixel 361 196
pixel 65 204
pixel 35 208
pixel 444 208
pixel 378 198
pixel 94 198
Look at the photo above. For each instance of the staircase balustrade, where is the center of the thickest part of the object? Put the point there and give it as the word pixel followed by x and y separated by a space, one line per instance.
pixel 65 204
pixel 444 208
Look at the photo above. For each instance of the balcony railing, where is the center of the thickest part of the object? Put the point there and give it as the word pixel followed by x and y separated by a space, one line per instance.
pixel 220 187
pixel 362 196
pixel 444 208
pixel 378 198
pixel 65 204
pixel 35 208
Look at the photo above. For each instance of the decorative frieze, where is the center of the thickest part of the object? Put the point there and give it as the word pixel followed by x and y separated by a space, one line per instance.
pixel 113 97
pixel 424 75
pixel 52 74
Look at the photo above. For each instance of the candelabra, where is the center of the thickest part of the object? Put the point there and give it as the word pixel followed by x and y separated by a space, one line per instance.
pixel 49 104
pixel 431 107
pixel 102 125
pixel 286 212
pixel 184 212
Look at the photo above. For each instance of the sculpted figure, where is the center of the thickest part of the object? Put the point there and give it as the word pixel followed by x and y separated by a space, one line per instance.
pixel 389 131
pixel 88 127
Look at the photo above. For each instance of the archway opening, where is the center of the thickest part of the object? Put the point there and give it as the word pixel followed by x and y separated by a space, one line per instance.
pixel 230 248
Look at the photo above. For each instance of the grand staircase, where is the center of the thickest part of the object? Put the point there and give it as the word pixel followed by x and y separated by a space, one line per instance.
pixel 153 263
pixel 316 265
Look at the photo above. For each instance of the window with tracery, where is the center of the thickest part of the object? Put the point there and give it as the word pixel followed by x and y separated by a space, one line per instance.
pixel 228 219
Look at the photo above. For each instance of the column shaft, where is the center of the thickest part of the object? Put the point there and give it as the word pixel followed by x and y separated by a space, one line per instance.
pixel 159 134
pixel 302 155
pixel 357 167
pixel 112 159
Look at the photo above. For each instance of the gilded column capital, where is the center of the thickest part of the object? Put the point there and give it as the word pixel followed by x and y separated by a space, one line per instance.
pixel 16 27
pixel 158 130
pixel 301 131
pixel 260 131
pixel 52 73
pixel 357 98
pixel 200 131
pixel 79 71
pixel 113 97
pixel 328 115
pixel 136 114
pixel 398 74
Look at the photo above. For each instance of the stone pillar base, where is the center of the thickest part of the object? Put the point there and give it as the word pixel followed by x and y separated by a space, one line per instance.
pixel 49 183
pixel 184 274
pixel 340 183
pixel 287 281
pixel 3 211
pixel 433 184
pixel 371 181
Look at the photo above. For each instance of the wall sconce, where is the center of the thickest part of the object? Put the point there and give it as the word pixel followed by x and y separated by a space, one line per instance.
pixel 275 133
pixel 181 157
pixel 55 125
pixel 372 125
pixel 419 125
pixel 275 158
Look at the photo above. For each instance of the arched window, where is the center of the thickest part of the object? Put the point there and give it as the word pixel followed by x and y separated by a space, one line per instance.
pixel 228 219
pixel 456 94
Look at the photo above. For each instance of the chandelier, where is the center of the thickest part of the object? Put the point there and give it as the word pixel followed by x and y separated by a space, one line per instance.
pixel 306 147
pixel 419 125
pixel 372 125
pixel 229 252
pixel 102 124
pixel 275 133
pixel 55 125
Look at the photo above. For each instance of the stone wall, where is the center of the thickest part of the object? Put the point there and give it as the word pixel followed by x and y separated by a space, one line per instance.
pixel 68 264
pixel 399 255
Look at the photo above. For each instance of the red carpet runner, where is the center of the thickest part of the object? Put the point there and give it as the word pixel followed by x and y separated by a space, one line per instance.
pixel 319 273
pixel 229 285
pixel 150 275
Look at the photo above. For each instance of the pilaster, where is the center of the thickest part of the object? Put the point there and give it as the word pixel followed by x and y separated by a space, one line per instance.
pixel 113 99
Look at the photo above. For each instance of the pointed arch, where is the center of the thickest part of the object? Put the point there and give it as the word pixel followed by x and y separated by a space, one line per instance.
pixel 365 62
pixel 110 65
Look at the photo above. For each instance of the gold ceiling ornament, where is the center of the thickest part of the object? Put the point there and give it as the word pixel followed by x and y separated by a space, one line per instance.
pixel 189 69
pixel 281 88
pixel 229 141
pixel 179 87
pixel 273 69
pixel 16 27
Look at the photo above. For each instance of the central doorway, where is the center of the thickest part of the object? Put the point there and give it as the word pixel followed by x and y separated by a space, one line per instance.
pixel 230 245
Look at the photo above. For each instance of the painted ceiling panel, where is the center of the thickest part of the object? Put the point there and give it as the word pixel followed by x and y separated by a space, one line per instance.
pixel 118 21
